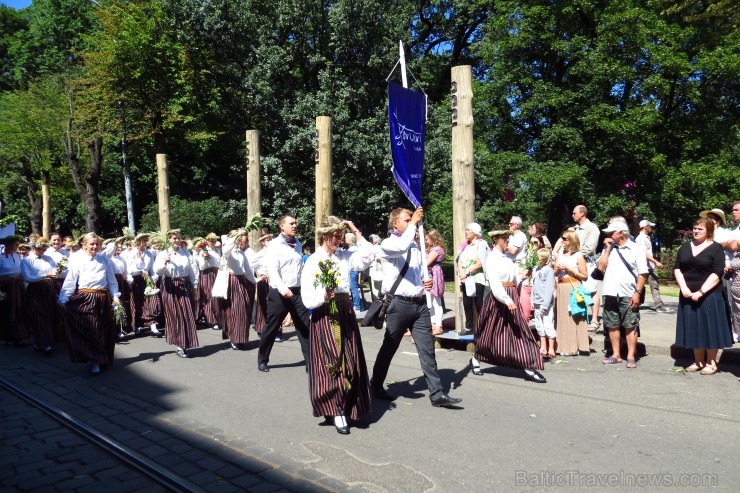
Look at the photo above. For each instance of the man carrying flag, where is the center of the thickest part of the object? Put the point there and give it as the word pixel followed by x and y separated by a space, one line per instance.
pixel 401 257
pixel 408 309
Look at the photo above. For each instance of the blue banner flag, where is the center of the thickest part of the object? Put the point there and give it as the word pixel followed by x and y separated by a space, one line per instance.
pixel 407 117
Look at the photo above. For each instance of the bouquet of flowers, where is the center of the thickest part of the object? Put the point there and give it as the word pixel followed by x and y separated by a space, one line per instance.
pixel 3 296
pixel 150 289
pixel 119 315
pixel 328 278
pixel 62 264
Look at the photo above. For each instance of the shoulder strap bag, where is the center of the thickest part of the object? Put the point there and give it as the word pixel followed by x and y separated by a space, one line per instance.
pixel 375 315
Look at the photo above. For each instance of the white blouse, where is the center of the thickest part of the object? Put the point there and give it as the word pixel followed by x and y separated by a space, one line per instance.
pixel 118 262
pixel 181 264
pixel 499 269
pixel 35 268
pixel 359 260
pixel 10 264
pixel 138 262
pixel 57 255
pixel 214 256
pixel 236 260
pixel 89 272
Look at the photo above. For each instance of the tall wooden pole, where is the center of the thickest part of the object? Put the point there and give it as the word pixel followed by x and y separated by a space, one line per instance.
pixel 45 206
pixel 163 192
pixel 254 189
pixel 463 177
pixel 324 193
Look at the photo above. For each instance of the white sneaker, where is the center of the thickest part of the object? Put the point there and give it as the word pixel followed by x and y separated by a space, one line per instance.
pixel 154 329
pixel 736 337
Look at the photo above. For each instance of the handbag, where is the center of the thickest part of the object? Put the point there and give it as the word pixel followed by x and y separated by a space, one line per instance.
pixel 375 315
pixel 221 284
pixel 597 274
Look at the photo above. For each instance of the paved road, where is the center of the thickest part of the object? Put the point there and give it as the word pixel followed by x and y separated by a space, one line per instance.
pixel 217 421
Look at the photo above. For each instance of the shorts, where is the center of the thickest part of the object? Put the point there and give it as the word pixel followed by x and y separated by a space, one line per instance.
pixel 618 314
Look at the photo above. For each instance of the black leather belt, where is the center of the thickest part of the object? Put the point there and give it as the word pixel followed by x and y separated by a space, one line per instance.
pixel 410 299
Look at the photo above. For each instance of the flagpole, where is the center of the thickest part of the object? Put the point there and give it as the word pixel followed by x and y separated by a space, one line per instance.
pixel 422 242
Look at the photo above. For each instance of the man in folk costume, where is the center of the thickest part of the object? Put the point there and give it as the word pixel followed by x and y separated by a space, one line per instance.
pixel 284 266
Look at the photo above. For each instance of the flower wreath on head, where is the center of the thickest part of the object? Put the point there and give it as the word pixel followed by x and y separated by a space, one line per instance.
pixel 340 226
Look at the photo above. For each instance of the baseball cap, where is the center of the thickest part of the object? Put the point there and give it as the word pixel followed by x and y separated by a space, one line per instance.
pixel 616 226
pixel 645 222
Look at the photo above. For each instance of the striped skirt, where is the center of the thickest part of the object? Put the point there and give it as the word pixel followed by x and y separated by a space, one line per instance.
pixel 125 301
pixel 12 328
pixel 40 311
pixel 90 328
pixel 236 311
pixel 263 287
pixel 209 308
pixel 503 338
pixel 177 299
pixel 145 310
pixel 337 386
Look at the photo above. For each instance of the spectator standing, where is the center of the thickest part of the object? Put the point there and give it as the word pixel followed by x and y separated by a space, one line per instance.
pixel 570 271
pixel 435 256
pixel 734 247
pixel 517 247
pixel 588 236
pixel 543 298
pixel 469 262
pixel 625 270
pixel 643 239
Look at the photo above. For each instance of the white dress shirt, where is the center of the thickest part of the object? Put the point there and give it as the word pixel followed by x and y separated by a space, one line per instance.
pixel 284 264
pixel 345 260
pixel 499 269
pixel 181 264
pixel 89 272
pixel 394 249
pixel 518 239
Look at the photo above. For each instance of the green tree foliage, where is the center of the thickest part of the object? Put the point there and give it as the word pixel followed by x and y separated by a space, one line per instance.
pixel 630 107
pixel 198 218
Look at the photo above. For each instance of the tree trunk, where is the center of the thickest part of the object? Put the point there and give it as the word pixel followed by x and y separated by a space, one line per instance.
pixel 93 204
pixel 45 205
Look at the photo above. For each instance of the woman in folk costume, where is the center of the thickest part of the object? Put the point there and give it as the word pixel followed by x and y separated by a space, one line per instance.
pixel 146 302
pixel 263 286
pixel 502 337
pixel 208 256
pixel 112 249
pixel 12 328
pixel 39 272
pixel 236 308
pixel 179 274
pixel 339 383
pixel 88 294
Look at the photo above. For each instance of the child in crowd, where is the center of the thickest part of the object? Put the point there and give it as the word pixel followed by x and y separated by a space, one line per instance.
pixel 543 296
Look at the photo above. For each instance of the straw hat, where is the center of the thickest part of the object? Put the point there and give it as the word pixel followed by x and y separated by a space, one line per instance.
pixel 497 233
pixel 717 212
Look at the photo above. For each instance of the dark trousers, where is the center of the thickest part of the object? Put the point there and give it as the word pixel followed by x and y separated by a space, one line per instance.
pixel 401 316
pixel 277 308
pixel 468 302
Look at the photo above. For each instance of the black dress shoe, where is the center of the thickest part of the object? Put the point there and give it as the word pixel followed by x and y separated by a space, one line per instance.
pixel 445 401
pixel 340 423
pixel 263 367
pixel 534 376
pixel 380 393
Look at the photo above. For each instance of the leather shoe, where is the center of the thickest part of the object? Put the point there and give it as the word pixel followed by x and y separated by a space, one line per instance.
pixel 534 376
pixel 263 367
pixel 340 423
pixel 445 401
pixel 380 393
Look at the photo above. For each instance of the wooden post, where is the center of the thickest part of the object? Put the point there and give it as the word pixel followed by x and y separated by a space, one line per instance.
pixel 463 177
pixel 163 193
pixel 324 196
pixel 254 190
pixel 45 206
